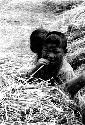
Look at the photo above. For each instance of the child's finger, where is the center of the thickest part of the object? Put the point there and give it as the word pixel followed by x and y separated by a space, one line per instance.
pixel 43 61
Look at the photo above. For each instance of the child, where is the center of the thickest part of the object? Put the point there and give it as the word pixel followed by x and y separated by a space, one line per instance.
pixel 51 49
pixel 51 46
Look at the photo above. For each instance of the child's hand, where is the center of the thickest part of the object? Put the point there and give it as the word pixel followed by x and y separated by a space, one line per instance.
pixel 22 72
pixel 43 61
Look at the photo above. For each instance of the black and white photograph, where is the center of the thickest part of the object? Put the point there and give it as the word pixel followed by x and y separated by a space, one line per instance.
pixel 42 62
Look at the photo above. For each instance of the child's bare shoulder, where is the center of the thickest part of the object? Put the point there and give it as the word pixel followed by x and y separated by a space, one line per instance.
pixel 66 66
pixel 67 71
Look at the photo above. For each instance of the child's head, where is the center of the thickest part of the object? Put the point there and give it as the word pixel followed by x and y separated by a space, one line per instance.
pixel 58 38
pixel 48 45
pixel 54 47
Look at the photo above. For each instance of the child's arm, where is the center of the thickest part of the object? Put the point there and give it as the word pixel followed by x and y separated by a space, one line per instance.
pixel 40 64
pixel 29 71
pixel 74 85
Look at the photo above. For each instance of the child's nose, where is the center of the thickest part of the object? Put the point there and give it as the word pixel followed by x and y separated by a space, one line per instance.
pixel 51 55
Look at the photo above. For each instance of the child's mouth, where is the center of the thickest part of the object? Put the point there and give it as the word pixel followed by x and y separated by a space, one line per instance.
pixel 52 62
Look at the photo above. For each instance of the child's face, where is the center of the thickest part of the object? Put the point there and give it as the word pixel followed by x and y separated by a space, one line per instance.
pixel 53 54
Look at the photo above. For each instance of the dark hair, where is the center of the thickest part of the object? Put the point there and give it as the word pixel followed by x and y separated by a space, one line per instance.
pixel 58 38
pixel 37 38
pixel 41 36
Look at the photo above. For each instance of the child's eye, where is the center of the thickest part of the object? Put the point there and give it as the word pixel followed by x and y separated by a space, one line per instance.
pixel 56 51
pixel 45 50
